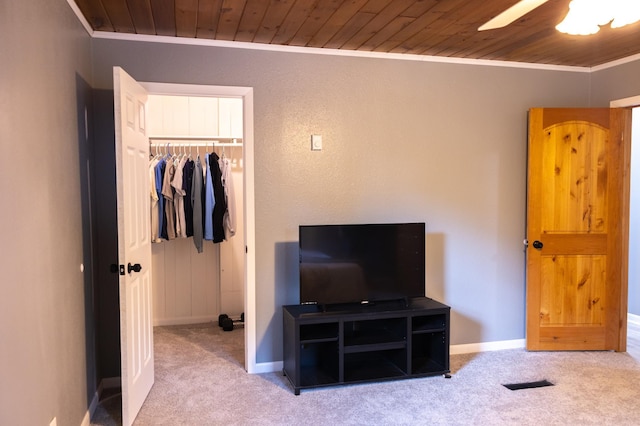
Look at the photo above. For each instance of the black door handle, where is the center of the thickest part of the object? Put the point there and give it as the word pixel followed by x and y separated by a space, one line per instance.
pixel 134 268
pixel 537 244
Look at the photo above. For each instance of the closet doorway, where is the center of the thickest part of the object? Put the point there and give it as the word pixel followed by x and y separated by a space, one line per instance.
pixel 195 282
pixel 135 140
pixel 133 146
pixel 245 95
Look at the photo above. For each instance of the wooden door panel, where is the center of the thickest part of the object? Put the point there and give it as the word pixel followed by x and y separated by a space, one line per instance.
pixel 575 192
pixel 576 206
pixel 581 298
pixel 575 243
pixel 572 339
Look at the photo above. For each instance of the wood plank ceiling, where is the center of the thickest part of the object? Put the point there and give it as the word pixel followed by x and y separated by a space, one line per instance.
pixel 422 27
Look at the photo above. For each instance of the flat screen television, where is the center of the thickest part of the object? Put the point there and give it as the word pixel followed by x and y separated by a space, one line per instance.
pixel 362 263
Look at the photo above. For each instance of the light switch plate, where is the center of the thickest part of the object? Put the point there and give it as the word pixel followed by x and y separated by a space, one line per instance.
pixel 316 143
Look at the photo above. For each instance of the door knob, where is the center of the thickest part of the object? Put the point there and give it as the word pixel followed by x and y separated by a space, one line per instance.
pixel 537 244
pixel 134 268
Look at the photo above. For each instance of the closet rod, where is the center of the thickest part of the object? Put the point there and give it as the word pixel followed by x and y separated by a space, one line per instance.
pixel 204 144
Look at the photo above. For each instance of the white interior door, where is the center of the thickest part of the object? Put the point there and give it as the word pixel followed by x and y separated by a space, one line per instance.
pixel 134 243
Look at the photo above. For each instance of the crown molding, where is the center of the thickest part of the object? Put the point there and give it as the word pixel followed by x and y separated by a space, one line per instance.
pixel 322 51
pixel 615 63
pixel 80 16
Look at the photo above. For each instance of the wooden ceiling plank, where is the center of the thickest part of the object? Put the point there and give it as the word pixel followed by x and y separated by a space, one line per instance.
pixel 208 18
pixel 503 45
pixel 462 30
pixel 473 44
pixel 316 20
pixel 429 17
pixel 186 18
pixel 452 22
pixel 230 15
pixel 380 21
pixel 546 45
pixel 483 42
pixel 350 29
pixel 119 16
pixel 393 27
pixel 294 20
pixel 419 8
pixel 164 16
pixel 95 14
pixel 253 15
pixel 273 18
pixel 377 6
pixel 549 51
pixel 336 22
pixel 142 16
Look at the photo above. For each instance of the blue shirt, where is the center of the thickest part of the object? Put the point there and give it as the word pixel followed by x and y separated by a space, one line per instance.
pixel 158 171
pixel 209 202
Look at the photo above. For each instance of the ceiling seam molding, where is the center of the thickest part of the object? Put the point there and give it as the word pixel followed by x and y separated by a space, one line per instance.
pixel 335 52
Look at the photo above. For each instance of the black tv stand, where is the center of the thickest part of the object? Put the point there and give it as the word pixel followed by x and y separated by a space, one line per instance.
pixel 365 343
pixel 380 305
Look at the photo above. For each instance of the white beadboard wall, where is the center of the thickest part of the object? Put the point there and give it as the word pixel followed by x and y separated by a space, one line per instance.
pixel 191 287
pixel 186 284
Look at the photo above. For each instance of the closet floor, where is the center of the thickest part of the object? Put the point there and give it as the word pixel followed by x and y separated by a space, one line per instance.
pixel 183 354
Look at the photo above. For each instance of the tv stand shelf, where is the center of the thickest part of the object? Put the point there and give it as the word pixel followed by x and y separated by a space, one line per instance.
pixel 372 343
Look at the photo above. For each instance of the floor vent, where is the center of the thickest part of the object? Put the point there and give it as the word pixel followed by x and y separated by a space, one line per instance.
pixel 528 385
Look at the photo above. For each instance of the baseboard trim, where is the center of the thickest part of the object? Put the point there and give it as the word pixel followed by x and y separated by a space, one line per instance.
pixel 268 367
pixel 633 319
pixel 486 347
pixel 184 320
pixel 86 420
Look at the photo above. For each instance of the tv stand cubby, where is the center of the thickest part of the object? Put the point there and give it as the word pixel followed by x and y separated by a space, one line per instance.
pixel 364 343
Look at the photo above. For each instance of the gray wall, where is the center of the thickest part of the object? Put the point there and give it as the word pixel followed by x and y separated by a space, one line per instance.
pixel 615 83
pixel 403 141
pixel 47 356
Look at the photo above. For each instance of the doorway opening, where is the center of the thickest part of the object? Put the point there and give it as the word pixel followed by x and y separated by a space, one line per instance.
pixel 246 96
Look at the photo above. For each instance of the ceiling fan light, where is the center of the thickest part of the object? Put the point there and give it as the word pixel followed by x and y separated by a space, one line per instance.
pixel 625 12
pixel 577 28
pixel 586 16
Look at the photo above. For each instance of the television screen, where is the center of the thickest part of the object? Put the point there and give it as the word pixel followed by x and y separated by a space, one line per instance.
pixel 361 263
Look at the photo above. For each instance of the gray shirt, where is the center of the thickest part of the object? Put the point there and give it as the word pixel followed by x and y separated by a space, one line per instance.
pixel 196 203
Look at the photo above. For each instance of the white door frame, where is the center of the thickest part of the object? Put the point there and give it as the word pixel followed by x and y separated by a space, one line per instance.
pixel 246 93
pixel 633 101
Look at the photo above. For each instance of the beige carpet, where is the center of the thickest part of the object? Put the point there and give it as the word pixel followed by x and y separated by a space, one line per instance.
pixel 200 381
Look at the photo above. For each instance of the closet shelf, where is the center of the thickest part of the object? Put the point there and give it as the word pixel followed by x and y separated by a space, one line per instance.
pixel 194 141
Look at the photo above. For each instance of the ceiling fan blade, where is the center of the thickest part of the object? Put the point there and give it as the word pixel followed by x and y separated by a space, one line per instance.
pixel 514 12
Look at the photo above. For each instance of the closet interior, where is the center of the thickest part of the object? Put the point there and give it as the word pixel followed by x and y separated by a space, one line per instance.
pixel 191 287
